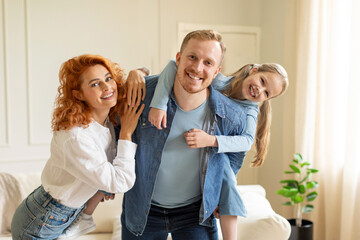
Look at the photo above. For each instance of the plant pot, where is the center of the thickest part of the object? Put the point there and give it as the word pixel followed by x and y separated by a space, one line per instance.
pixel 305 232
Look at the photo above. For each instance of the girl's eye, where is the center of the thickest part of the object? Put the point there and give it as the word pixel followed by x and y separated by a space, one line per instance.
pixel 267 93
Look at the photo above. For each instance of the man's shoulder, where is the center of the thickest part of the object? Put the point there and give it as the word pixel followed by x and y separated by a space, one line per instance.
pixel 151 81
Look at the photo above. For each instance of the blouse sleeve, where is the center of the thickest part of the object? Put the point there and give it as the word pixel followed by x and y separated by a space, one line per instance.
pixel 87 162
pixel 164 86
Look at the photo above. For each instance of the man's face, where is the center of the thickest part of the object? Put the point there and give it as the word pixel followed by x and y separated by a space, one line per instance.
pixel 198 64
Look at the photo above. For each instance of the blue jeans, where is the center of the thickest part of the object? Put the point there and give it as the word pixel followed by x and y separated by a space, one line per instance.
pixel 40 216
pixel 182 223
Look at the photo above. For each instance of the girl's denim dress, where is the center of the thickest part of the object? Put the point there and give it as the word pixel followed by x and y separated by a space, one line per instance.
pixel 40 216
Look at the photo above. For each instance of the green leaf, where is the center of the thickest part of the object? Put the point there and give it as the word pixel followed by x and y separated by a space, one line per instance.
pixel 305 178
pixel 307 208
pixel 297 198
pixel 305 164
pixel 311 196
pixel 287 192
pixel 297 170
pixel 287 203
pixel 312 170
pixel 296 161
pixel 288 181
pixel 302 189
pixel 312 184
pixel 288 172
pixel 298 157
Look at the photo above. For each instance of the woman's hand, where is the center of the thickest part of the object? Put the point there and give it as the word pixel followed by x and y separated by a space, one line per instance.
pixel 129 119
pixel 196 138
pixel 135 87
pixel 157 117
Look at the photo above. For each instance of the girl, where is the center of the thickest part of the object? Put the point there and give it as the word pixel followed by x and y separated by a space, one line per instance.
pixel 84 156
pixel 250 85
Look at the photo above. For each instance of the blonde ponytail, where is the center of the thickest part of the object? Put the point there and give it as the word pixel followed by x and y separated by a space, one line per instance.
pixel 262 136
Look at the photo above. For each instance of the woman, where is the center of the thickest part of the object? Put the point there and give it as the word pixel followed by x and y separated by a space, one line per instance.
pixel 84 157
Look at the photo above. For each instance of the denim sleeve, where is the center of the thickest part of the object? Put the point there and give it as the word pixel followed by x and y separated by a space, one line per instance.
pixel 164 86
pixel 243 142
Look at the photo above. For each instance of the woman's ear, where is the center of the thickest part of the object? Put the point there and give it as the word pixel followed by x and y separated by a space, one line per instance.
pixel 78 95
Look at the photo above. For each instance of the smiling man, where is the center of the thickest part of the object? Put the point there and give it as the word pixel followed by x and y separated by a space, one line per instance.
pixel 178 188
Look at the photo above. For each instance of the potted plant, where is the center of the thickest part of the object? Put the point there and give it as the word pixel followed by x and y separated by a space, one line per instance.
pixel 300 191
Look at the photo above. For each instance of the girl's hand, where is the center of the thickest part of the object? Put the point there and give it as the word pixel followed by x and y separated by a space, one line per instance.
pixel 196 138
pixel 129 119
pixel 135 87
pixel 157 117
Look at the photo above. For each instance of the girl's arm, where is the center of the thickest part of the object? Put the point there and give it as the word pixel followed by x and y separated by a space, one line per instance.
pixel 197 138
pixel 157 114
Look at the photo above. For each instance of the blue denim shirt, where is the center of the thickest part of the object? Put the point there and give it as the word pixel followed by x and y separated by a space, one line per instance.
pixel 228 118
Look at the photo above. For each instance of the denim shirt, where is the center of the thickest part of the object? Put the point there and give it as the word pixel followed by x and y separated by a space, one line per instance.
pixel 228 118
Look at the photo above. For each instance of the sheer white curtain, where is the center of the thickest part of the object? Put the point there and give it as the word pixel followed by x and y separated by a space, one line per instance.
pixel 328 111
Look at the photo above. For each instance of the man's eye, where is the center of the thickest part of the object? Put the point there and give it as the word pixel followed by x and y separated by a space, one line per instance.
pixel 262 80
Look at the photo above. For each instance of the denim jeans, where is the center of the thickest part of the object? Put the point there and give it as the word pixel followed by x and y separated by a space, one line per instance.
pixel 40 216
pixel 182 223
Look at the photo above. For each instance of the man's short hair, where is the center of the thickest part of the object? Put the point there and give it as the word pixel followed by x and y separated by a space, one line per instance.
pixel 205 35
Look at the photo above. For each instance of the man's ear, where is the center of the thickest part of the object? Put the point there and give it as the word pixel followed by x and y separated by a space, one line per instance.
pixel 216 73
pixel 78 95
pixel 178 55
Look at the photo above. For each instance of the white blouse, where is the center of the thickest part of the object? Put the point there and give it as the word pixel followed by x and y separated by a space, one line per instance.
pixel 85 160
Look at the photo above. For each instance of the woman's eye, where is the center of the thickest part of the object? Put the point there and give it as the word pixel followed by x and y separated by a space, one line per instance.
pixel 108 79
pixel 95 84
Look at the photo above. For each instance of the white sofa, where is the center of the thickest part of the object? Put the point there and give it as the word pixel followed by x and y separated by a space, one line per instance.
pixel 262 222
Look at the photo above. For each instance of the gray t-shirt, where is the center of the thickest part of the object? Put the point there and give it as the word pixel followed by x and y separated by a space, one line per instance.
pixel 178 179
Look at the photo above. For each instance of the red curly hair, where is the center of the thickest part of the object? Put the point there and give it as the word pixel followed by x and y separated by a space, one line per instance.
pixel 69 111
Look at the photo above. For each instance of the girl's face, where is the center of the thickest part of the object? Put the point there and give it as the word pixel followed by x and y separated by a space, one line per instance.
pixel 98 90
pixel 259 86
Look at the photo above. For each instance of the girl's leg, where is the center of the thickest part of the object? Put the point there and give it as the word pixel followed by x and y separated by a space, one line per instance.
pixel 230 204
pixel 84 223
pixel 93 202
pixel 228 225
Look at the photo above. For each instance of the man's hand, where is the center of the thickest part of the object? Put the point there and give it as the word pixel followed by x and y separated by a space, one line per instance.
pixel 157 117
pixel 196 138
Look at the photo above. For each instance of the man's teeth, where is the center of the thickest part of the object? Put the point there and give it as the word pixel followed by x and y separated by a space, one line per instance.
pixel 193 77
pixel 109 95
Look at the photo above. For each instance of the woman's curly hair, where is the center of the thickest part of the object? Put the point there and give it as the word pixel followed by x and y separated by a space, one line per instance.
pixel 69 111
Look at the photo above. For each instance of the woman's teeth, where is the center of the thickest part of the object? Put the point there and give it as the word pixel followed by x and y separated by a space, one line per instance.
pixel 107 96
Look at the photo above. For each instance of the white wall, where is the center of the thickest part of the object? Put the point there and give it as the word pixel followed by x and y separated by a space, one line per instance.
pixel 36 36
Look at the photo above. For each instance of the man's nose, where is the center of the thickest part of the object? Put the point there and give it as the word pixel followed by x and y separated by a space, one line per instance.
pixel 198 66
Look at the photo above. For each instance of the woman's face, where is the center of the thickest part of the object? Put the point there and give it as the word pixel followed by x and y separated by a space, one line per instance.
pixel 98 89
pixel 259 86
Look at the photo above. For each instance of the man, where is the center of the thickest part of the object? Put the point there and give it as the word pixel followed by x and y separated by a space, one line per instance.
pixel 177 188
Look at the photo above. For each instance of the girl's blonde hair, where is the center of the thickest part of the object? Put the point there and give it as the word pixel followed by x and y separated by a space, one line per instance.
pixel 262 136
pixel 69 111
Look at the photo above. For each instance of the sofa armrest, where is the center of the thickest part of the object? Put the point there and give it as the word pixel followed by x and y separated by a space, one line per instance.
pixel 262 221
